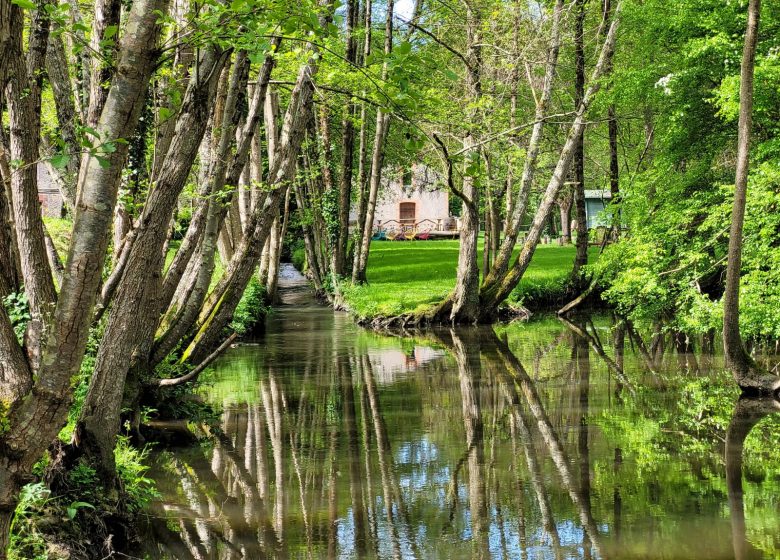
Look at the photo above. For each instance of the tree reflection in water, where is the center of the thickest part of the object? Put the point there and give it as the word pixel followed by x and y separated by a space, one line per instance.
pixel 327 451
pixel 747 413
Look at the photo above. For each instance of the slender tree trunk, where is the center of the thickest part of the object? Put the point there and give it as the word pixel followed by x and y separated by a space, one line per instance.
pixel 363 166
pixel 10 268
pixel 465 297
pixel 495 291
pixel 23 94
pixel 746 372
pixel 107 15
pixel 347 150
pixel 219 307
pixel 67 117
pixel 564 206
pixel 377 160
pixel 278 231
pixel 581 256
pixel 515 220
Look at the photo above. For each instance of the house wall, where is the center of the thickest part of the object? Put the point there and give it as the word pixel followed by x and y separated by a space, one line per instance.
pixel 431 203
pixel 48 194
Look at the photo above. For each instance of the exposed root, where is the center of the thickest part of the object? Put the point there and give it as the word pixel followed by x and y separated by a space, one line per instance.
pixel 759 383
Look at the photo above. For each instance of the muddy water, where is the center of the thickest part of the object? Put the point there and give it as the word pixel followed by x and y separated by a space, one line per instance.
pixel 536 440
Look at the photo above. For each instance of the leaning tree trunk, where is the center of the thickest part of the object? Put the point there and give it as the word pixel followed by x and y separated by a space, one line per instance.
pixel 515 218
pixel 136 308
pixel 746 372
pixel 221 304
pixel 495 291
pixel 34 421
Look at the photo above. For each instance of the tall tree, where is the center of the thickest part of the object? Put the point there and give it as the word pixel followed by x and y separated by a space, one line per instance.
pixel 44 394
pixel 746 372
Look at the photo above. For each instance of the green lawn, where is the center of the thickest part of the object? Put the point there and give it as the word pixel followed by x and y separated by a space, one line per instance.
pixel 409 276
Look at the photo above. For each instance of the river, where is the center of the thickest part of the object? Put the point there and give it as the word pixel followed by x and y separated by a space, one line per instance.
pixel 538 440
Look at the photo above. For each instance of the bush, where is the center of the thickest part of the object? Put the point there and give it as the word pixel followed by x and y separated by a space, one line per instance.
pixel 251 309
pixel 299 259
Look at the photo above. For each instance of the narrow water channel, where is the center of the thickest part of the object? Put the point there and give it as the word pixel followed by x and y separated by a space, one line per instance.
pixel 531 440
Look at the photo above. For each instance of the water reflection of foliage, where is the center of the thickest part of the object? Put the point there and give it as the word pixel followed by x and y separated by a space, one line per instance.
pixel 517 443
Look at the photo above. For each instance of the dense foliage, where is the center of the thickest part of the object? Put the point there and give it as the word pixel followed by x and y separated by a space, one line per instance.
pixel 677 72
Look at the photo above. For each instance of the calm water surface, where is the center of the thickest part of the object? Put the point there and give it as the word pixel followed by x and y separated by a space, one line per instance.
pixel 537 440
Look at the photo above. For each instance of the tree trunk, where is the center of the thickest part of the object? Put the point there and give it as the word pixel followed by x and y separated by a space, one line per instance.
pixel 363 166
pixel 347 150
pixel 495 291
pixel 67 119
pixel 746 372
pixel 34 421
pixel 134 315
pixel 514 222
pixel 564 205
pixel 377 160
pixel 581 256
pixel 465 297
pixel 220 305
pixel 23 94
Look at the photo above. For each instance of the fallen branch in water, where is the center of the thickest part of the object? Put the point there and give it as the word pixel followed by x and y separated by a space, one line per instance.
pixel 196 371
pixel 579 299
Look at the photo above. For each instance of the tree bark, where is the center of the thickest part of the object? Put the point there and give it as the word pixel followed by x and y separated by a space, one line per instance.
pixel 67 118
pixel 377 160
pixel 347 150
pixel 135 311
pixel 744 369
pixel 35 420
pixel 564 206
pixel 222 302
pixel 581 256
pixel 514 222
pixel 107 15
pixel 23 95
pixel 495 291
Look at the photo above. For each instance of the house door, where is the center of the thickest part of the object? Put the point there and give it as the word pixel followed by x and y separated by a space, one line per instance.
pixel 407 213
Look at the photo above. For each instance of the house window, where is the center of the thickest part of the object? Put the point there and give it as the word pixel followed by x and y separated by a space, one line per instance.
pixel 407 212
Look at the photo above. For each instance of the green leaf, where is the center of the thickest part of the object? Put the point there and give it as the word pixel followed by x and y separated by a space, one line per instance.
pixel 91 131
pixel 74 507
pixel 60 161
pixel 110 31
pixel 403 48
pixel 24 4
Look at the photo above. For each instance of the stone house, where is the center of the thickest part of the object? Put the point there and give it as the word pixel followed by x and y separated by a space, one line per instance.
pixel 413 197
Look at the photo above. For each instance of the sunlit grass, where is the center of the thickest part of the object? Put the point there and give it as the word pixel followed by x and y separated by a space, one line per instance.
pixel 410 276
